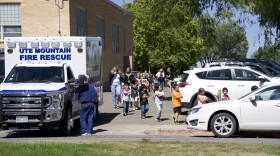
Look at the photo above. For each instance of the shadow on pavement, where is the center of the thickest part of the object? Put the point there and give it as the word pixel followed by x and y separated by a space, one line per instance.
pixel 105 118
pixel 164 119
pixel 168 98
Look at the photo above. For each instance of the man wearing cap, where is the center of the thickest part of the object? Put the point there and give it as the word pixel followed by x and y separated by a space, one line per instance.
pixel 87 98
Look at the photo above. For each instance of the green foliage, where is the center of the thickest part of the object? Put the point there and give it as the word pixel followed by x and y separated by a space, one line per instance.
pixel 268 52
pixel 267 10
pixel 165 34
pixel 221 40
pixel 231 41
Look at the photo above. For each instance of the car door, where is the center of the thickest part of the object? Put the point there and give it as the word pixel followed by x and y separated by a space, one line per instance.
pixel 74 94
pixel 263 113
pixel 216 80
pixel 244 80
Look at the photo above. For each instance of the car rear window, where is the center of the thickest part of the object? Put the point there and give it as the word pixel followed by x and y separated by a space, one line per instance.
pixel 201 75
pixel 184 77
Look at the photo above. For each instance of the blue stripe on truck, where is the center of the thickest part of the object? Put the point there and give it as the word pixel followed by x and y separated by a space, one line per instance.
pixel 31 91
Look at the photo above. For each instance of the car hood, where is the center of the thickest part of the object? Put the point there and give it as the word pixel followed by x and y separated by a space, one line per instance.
pixel 219 104
pixel 31 87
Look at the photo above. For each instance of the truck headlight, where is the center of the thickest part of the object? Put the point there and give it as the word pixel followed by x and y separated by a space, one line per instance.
pixel 56 101
pixel 194 110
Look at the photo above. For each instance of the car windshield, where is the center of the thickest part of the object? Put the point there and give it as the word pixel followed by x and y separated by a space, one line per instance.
pixel 35 75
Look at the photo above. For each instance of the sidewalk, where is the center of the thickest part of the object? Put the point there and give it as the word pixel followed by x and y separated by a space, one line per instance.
pixel 112 122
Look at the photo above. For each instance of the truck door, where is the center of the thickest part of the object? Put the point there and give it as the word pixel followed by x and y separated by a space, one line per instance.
pixel 74 95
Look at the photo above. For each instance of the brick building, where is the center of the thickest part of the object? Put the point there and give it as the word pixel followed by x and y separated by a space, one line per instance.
pixel 103 18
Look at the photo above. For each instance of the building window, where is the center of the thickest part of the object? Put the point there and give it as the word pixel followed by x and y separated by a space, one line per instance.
pixel 10 20
pixel 100 29
pixel 81 22
pixel 115 38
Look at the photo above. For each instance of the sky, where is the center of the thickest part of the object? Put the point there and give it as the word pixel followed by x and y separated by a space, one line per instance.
pixel 252 31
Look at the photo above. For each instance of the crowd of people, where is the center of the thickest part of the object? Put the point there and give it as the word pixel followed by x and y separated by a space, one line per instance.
pixel 132 90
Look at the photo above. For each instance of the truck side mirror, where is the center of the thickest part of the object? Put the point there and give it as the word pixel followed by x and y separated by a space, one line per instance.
pixel 252 98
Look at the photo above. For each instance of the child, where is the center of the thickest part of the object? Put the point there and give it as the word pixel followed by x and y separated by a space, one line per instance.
pixel 126 99
pixel 225 96
pixel 176 103
pixel 155 82
pixel 144 95
pixel 201 97
pixel 134 94
pixel 159 95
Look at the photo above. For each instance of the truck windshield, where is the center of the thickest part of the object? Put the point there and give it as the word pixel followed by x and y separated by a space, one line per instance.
pixel 35 75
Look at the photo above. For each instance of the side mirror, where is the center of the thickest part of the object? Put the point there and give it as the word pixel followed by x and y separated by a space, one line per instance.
pixel 252 98
pixel 262 78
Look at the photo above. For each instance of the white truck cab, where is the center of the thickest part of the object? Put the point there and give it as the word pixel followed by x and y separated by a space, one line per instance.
pixel 36 91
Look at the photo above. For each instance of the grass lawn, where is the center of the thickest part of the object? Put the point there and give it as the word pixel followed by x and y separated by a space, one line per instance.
pixel 137 148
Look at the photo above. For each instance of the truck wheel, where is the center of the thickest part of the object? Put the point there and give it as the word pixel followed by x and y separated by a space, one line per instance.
pixel 67 123
pixel 223 125
pixel 96 113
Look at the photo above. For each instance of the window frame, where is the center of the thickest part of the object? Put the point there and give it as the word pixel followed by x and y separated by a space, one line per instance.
pixel 4 24
pixel 213 78
pixel 265 90
pixel 116 42
pixel 79 30
pixel 235 76
pixel 103 32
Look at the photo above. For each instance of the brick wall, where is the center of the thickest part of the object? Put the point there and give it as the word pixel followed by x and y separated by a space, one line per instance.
pixel 111 14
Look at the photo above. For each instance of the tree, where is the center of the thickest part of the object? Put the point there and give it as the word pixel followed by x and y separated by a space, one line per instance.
pixel 207 31
pixel 231 41
pixel 267 10
pixel 165 34
pixel 268 52
pixel 224 40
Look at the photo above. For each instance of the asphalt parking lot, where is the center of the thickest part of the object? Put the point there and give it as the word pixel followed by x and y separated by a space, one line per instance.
pixel 112 122
pixel 113 126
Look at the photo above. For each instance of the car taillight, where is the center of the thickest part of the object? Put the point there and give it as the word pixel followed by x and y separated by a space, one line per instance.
pixel 183 84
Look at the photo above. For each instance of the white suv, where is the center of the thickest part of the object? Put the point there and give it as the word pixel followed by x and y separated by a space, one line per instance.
pixel 238 80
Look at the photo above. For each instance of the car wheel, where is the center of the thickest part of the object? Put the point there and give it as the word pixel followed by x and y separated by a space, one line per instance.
pixel 223 125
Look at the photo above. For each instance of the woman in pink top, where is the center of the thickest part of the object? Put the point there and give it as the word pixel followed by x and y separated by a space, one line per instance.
pixel 201 97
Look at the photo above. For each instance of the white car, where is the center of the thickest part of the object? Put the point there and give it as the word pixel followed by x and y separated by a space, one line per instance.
pixel 256 111
pixel 238 81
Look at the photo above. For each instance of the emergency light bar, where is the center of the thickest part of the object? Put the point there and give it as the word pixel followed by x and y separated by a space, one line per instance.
pixel 55 44
pixel 78 44
pixel 22 44
pixel 34 45
pixel 45 44
pixel 67 44
pixel 11 45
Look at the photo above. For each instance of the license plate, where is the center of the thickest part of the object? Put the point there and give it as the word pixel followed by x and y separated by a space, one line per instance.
pixel 22 119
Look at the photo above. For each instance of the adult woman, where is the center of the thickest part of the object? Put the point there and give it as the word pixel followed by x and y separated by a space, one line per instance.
pixel 115 82
pixel 160 75
pixel 128 76
pixel 170 78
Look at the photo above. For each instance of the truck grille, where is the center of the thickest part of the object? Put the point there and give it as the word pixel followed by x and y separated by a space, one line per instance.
pixel 23 105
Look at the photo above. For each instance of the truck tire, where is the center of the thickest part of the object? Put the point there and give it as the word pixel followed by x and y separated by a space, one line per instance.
pixel 96 113
pixel 66 124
